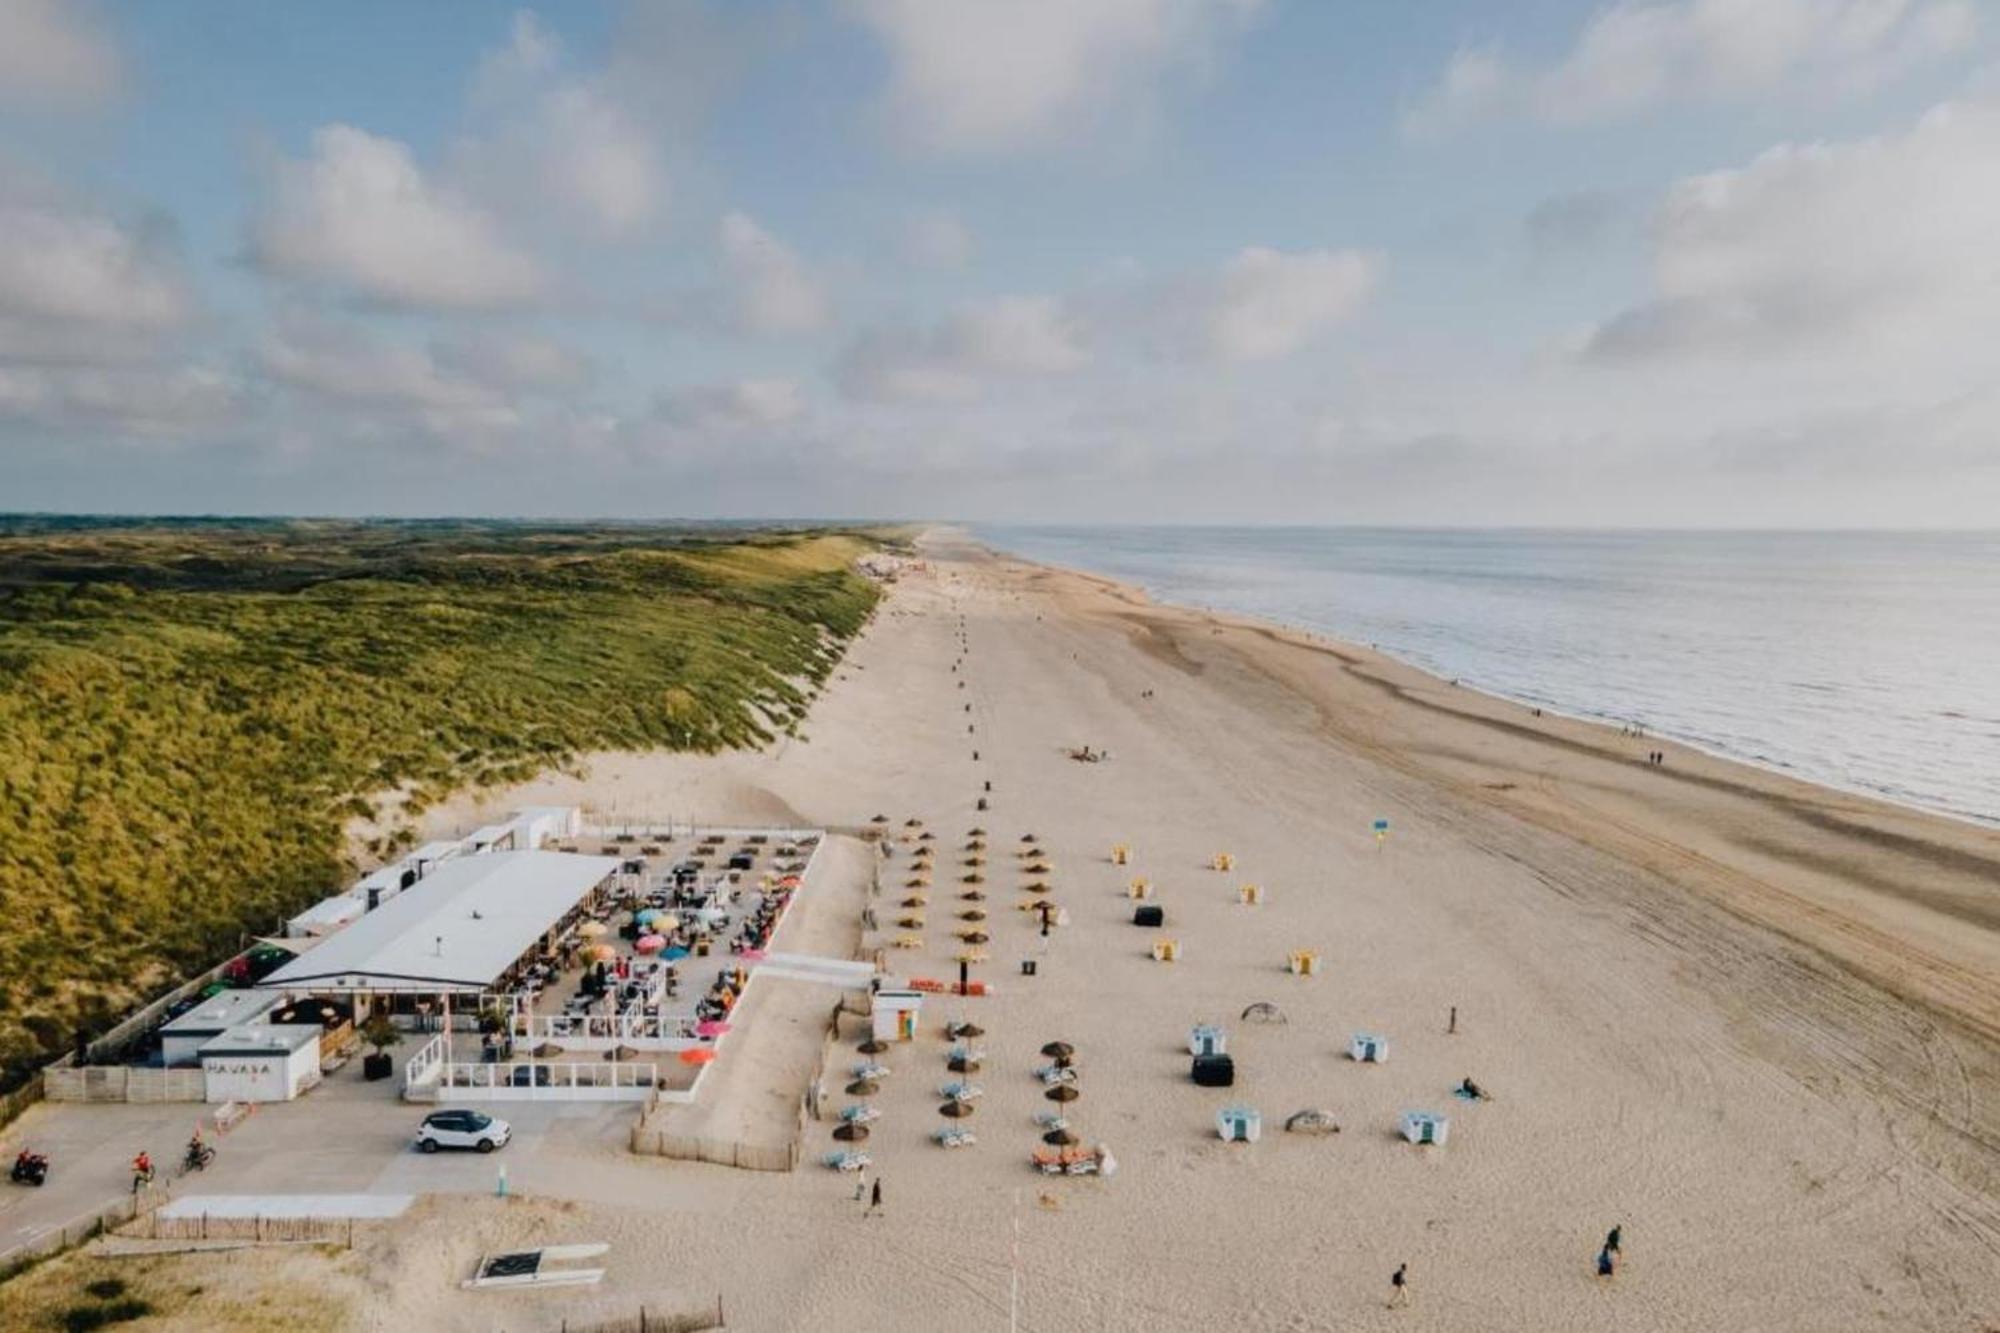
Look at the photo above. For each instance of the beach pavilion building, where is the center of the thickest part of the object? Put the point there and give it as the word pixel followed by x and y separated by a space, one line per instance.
pixel 463 931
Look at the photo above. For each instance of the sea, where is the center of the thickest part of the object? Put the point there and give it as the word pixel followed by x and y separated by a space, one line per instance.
pixel 1868 661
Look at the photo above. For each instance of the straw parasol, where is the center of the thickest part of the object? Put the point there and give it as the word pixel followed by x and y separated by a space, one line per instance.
pixel 910 922
pixel 879 819
pixel 862 1087
pixel 1058 1048
pixel 548 1050
pixel 974 936
pixel 926 836
pixel 975 860
pixel 975 832
pixel 1063 1092
pixel 873 1046
pixel 973 896
pixel 1037 868
pixel 974 878
pixel 849 1132
pixel 972 914
pixel 1027 837
pixel 964 1030
pixel 976 845
pixel 590 930
pixel 955 1110
pixel 1061 1138
pixel 959 1064
pixel 915 900
pixel 913 822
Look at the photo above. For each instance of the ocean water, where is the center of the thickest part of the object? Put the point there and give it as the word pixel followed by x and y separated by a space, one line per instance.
pixel 1866 661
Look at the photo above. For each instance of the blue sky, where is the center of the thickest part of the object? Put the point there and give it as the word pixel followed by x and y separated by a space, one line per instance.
pixel 1712 262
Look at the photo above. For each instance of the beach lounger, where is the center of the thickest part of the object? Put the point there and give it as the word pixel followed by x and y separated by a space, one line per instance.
pixel 961 1091
pixel 848 1161
pixel 1051 1075
pixel 955 1137
pixel 869 1069
pixel 860 1115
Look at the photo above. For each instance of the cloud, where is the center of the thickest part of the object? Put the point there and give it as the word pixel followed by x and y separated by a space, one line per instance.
pixel 937 240
pixel 1876 246
pixel 976 77
pixel 1631 56
pixel 1017 337
pixel 1566 226
pixel 359 215
pixel 52 52
pixel 1268 303
pixel 771 291
pixel 142 400
pixel 519 362
pixel 556 141
pixel 68 266
pixel 742 405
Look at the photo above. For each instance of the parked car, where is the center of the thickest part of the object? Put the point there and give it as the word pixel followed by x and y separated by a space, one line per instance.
pixel 462 1129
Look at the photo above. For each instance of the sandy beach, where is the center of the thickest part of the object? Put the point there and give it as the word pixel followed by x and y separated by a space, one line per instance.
pixel 1753 1022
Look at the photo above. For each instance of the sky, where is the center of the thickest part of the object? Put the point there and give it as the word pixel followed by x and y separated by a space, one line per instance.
pixel 1726 263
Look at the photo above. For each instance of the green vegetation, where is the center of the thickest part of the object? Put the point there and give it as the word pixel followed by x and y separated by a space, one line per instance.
pixel 191 713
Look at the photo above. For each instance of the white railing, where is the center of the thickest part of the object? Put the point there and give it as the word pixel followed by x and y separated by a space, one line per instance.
pixel 602 1032
pixel 547 1080
pixel 423 1066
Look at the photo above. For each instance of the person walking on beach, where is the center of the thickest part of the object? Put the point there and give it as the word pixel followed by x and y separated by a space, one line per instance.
pixel 1615 1242
pixel 874 1198
pixel 860 1186
pixel 1399 1282
pixel 1607 1264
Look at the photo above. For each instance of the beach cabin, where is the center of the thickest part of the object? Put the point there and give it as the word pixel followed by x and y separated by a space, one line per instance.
pixel 1149 914
pixel 1166 951
pixel 1140 888
pixel 1213 1071
pixel 1239 1124
pixel 1223 861
pixel 1368 1049
pixel 1250 895
pixel 182 1039
pixel 1207 1039
pixel 1425 1127
pixel 254 1063
pixel 1303 962
pixel 894 1014
pixel 1120 854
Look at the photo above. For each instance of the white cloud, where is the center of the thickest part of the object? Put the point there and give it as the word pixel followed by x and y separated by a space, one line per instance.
pixel 974 76
pixel 347 364
pixel 748 404
pixel 772 289
pixel 1268 303
pixel 1871 247
pixel 68 266
pixel 516 361
pixel 937 240
pixel 557 141
pixel 1007 337
pixel 53 52
pixel 135 400
pixel 1633 55
pixel 359 214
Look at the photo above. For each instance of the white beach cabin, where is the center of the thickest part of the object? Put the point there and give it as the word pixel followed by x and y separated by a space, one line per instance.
pixel 1239 1124
pixel 182 1039
pixel 1207 1039
pixel 1368 1049
pixel 1425 1127
pixel 894 1014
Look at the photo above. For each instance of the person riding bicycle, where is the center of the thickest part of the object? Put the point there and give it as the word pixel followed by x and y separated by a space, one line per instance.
pixel 142 1169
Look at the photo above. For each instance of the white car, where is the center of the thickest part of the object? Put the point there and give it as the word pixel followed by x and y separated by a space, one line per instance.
pixel 462 1129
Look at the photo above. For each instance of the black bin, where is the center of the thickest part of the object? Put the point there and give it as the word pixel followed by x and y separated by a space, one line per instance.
pixel 1148 915
pixel 1214 1071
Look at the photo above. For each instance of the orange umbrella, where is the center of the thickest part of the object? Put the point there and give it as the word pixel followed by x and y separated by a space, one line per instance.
pixel 697 1055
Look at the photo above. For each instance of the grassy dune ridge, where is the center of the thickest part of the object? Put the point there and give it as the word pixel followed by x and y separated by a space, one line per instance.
pixel 191 712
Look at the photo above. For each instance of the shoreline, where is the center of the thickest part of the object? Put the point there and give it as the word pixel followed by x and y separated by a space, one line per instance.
pixel 1713 750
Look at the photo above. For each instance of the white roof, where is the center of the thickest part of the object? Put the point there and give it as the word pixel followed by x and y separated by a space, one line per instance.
pixel 262 1039
pixel 222 1010
pixel 340 907
pixel 458 928
pixel 433 851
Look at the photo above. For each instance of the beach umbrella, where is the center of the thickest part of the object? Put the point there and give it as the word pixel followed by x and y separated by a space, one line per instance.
pixel 873 1046
pixel 1027 837
pixel 966 1030
pixel 1061 1138
pixel 847 1131
pixel 675 954
pixel 910 922
pixel 913 822
pixel 696 1055
pixel 548 1050
pixel 955 1110
pixel 1038 868
pixel 1058 1048
pixel 1263 1012
pixel 926 836
pixel 917 882
pixel 645 914
pixel 602 953
pixel 711 1027
pixel 879 819
pixel 590 930
pixel 976 845
pixel 1063 1092
pixel 862 1087
pixel 975 832
pixel 974 936
pixel 666 921
pixel 973 896
pixel 974 878
pixel 972 914
pixel 650 943
pixel 959 1064
pixel 975 860
pixel 915 900
pixel 627 1053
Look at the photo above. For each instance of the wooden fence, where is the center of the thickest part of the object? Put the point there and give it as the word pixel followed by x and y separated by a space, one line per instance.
pixel 268 1230
pixel 79 1229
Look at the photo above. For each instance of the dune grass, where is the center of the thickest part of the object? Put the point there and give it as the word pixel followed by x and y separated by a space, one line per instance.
pixel 191 713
